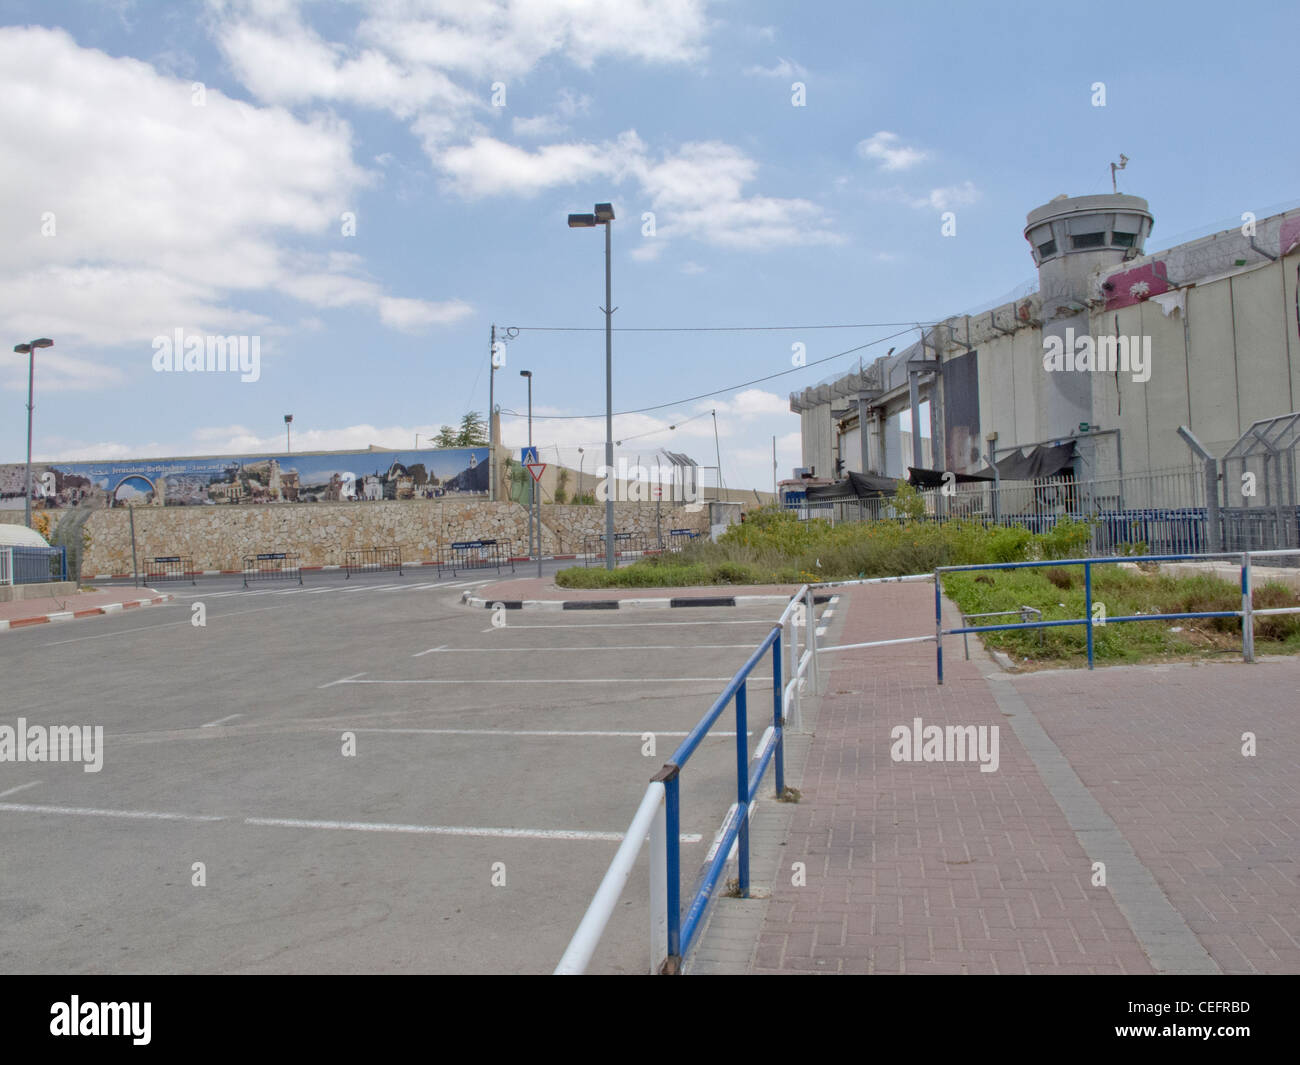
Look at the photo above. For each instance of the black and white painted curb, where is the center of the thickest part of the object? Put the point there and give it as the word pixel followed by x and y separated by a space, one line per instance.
pixel 665 602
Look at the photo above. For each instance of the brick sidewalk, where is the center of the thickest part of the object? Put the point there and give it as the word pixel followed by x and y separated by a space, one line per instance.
pixel 935 867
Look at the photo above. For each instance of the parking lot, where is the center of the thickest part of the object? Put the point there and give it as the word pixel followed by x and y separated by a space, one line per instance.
pixel 373 776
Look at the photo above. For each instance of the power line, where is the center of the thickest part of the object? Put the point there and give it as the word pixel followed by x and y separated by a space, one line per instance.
pixel 711 328
pixel 729 388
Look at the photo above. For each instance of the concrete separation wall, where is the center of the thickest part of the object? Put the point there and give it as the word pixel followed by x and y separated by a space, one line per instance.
pixel 219 537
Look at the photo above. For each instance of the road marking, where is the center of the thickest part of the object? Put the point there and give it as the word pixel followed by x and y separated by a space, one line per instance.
pixel 636 624
pixel 543 680
pixel 345 680
pixel 523 732
pixel 344 826
pixel 221 721
pixel 165 625
pixel 616 647
pixel 90 811
pixel 21 787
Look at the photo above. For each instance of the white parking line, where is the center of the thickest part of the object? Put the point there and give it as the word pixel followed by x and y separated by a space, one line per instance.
pixel 345 826
pixel 165 625
pixel 635 624
pixel 555 733
pixel 221 721
pixel 617 647
pixel 21 787
pixel 541 680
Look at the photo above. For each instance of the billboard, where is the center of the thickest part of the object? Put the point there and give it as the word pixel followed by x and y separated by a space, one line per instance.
pixel 361 476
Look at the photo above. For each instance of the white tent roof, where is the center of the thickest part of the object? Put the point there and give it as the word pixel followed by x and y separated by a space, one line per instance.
pixel 20 536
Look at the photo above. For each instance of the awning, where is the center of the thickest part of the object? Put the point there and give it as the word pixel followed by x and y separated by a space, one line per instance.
pixel 920 478
pixel 854 486
pixel 1044 460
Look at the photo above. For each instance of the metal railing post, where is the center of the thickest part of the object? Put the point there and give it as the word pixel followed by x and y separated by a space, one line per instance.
pixel 810 636
pixel 1247 611
pixel 778 715
pixel 673 864
pixel 1087 606
pixel 658 889
pixel 938 626
pixel 742 789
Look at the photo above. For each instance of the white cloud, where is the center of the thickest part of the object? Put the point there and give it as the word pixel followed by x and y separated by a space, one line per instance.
pixel 783 69
pixel 163 213
pixel 942 199
pixel 885 148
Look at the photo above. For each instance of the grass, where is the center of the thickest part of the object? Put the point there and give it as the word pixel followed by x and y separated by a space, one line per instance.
pixel 1058 593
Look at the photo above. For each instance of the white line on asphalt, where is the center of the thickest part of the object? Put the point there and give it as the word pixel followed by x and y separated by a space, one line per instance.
pixel 21 787
pixel 345 680
pixel 558 733
pixel 165 625
pixel 221 721
pixel 346 826
pixel 90 811
pixel 636 624
pixel 618 647
pixel 543 680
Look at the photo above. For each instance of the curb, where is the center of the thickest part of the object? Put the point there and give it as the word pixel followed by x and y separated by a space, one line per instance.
pixel 70 615
pixel 665 602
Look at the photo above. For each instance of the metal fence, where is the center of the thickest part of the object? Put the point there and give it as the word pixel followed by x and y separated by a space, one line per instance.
pixel 169 568
pixel 679 538
pixel 468 555
pixel 372 560
pixel 626 545
pixel 1159 511
pixel 272 566
pixel 658 818
pixel 33 565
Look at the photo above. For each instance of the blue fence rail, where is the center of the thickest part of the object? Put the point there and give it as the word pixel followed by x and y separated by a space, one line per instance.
pixel 1246 613
pixel 33 565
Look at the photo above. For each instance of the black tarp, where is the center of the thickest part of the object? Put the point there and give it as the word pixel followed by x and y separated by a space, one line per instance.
pixel 1045 460
pixel 854 486
pixel 919 478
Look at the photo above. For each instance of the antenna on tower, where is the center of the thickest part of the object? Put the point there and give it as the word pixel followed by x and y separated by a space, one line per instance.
pixel 1123 162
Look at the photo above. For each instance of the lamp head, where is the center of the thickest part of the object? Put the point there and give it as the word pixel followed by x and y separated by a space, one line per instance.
pixel 581 221
pixel 604 212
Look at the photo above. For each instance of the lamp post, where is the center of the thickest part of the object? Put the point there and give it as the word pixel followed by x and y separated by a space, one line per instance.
pixel 603 215
pixel 29 350
pixel 288 420
pixel 532 481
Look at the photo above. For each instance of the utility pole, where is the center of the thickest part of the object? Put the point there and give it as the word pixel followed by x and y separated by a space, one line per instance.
pixel 492 421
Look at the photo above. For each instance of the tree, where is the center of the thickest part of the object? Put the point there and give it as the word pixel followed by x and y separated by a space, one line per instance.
pixel 473 431
pixel 446 437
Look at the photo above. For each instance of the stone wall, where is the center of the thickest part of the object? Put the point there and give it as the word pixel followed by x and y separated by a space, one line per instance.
pixel 220 537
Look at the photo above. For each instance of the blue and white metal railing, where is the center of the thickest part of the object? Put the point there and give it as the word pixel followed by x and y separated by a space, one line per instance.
pixel 1246 613
pixel 658 818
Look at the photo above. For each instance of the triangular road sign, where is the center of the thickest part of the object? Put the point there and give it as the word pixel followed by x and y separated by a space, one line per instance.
pixel 536 469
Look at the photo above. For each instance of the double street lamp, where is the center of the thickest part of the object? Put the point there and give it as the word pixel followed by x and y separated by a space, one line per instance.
pixel 29 350
pixel 603 215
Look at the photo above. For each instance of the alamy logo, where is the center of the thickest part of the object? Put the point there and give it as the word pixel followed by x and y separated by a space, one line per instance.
pixel 951 743
pixel 57 743
pixel 1103 354
pixel 208 354
pixel 638 484
pixel 102 1018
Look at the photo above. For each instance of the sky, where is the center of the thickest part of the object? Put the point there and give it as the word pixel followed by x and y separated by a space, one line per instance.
pixel 363 189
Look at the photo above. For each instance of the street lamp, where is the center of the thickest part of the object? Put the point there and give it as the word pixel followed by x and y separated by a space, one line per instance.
pixel 288 420
pixel 29 350
pixel 532 499
pixel 603 215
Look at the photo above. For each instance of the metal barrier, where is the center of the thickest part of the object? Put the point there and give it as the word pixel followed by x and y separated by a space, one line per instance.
pixel 476 555
pixel 679 538
pixel 169 568
pixel 372 560
pixel 272 566
pixel 33 565
pixel 1246 613
pixel 626 544
pixel 658 817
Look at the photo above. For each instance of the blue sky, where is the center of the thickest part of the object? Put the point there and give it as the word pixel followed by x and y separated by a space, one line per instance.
pixel 137 204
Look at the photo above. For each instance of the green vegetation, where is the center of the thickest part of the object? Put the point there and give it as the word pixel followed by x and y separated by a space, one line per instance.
pixel 472 432
pixel 773 547
pixel 1058 593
